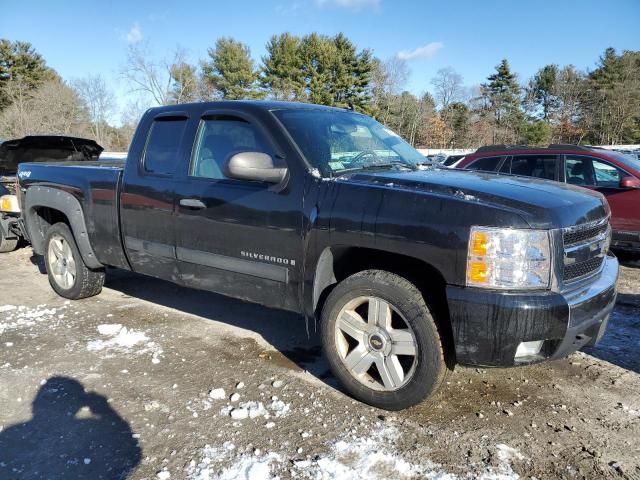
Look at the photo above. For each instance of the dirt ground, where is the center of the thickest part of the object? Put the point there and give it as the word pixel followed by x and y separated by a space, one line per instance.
pixel 150 380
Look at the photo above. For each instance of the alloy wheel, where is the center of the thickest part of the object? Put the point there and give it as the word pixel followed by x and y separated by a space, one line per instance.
pixel 61 262
pixel 375 343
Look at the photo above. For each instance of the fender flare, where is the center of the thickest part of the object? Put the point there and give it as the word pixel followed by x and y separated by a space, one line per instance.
pixel 69 205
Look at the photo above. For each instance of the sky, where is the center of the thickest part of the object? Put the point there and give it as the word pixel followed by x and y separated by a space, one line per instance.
pixel 81 38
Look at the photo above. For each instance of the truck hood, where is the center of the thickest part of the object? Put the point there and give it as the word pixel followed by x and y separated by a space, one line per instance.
pixel 541 203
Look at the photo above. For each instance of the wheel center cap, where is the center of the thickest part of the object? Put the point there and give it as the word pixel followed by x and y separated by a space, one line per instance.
pixel 376 342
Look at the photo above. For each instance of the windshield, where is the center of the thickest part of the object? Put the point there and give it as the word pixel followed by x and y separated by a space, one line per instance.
pixel 337 142
pixel 629 160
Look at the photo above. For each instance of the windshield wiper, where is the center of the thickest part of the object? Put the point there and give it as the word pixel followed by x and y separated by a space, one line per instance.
pixel 393 163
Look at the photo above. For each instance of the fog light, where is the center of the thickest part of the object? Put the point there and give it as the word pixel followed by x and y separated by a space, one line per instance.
pixel 527 349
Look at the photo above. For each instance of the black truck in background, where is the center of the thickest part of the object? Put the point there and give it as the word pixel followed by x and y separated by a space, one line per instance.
pixel 33 148
pixel 327 213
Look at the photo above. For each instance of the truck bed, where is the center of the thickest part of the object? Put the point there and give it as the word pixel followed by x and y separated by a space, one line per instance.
pixel 95 186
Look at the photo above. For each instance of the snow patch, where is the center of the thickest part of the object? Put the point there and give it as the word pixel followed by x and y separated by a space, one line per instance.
pixel 253 409
pixel 246 467
pixel 18 317
pixel 121 339
pixel 217 393
pixel 506 455
pixel 367 458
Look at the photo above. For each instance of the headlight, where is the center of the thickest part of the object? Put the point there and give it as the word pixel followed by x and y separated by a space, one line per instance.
pixel 504 258
pixel 9 204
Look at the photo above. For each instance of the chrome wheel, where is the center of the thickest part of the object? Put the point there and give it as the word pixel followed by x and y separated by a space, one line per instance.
pixel 376 344
pixel 61 263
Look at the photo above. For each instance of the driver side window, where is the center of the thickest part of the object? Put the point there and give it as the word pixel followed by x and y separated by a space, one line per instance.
pixel 218 139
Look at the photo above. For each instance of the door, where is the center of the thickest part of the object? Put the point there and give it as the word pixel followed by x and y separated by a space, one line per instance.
pixel 147 196
pixel 598 174
pixel 237 237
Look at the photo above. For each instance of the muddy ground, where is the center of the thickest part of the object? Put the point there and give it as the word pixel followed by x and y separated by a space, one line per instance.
pixel 129 384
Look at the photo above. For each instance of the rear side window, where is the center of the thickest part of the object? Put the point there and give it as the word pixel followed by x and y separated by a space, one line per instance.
pixel 163 146
pixel 487 164
pixel 579 171
pixel 539 166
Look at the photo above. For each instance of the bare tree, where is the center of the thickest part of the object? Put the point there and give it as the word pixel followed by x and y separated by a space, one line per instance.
pixel 146 75
pixel 100 104
pixel 164 81
pixel 448 87
pixel 397 74
pixel 53 108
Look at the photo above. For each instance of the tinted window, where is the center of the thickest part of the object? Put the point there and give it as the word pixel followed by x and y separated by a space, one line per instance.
pixel 163 146
pixel 606 175
pixel 539 166
pixel 579 171
pixel 487 164
pixel 218 139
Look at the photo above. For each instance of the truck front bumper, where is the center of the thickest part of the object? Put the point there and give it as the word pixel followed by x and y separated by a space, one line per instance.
pixel 491 328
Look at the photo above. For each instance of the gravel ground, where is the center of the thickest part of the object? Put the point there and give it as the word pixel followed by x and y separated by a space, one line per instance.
pixel 150 380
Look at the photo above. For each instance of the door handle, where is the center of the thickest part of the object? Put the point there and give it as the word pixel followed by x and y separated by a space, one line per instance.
pixel 192 203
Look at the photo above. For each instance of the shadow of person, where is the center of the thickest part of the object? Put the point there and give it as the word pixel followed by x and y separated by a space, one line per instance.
pixel 73 434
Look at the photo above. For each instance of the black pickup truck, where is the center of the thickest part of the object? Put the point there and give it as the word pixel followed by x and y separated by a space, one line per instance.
pixel 327 213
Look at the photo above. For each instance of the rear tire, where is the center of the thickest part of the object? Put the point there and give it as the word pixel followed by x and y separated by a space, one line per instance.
pixel 7 245
pixel 68 275
pixel 381 340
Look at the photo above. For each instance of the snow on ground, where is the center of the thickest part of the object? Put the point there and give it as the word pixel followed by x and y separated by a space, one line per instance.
pixel 372 458
pixel 121 339
pixel 17 317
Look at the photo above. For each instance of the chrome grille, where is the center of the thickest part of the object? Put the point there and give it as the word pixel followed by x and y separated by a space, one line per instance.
pixel 582 269
pixel 574 236
pixel 585 248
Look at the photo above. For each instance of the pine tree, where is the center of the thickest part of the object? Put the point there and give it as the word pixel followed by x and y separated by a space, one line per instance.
pixel 503 93
pixel 542 90
pixel 230 70
pixel 20 63
pixel 281 71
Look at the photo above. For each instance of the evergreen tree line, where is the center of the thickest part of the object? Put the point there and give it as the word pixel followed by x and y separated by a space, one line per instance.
pixel 559 104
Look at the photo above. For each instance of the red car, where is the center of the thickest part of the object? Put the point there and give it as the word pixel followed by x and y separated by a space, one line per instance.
pixel 615 175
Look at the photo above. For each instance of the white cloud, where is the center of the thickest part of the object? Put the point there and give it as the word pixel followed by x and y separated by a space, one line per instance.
pixel 134 35
pixel 426 51
pixel 349 4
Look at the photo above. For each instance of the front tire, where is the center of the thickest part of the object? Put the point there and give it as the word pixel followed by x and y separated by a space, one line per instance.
pixel 7 245
pixel 381 340
pixel 68 275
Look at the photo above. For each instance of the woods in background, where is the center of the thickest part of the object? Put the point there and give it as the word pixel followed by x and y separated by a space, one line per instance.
pixel 559 104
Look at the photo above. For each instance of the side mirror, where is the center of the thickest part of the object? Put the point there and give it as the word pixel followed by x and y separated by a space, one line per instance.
pixel 629 182
pixel 256 166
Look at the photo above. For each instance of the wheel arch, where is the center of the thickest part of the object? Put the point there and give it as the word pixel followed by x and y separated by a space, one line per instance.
pixel 45 206
pixel 339 262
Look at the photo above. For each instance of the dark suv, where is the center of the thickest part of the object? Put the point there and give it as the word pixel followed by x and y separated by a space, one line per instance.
pixel 615 175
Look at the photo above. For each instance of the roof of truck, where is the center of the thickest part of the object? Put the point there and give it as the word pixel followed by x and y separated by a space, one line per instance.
pixel 252 104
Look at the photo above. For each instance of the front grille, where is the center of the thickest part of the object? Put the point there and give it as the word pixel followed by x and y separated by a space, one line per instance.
pixel 573 236
pixel 585 248
pixel 582 269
